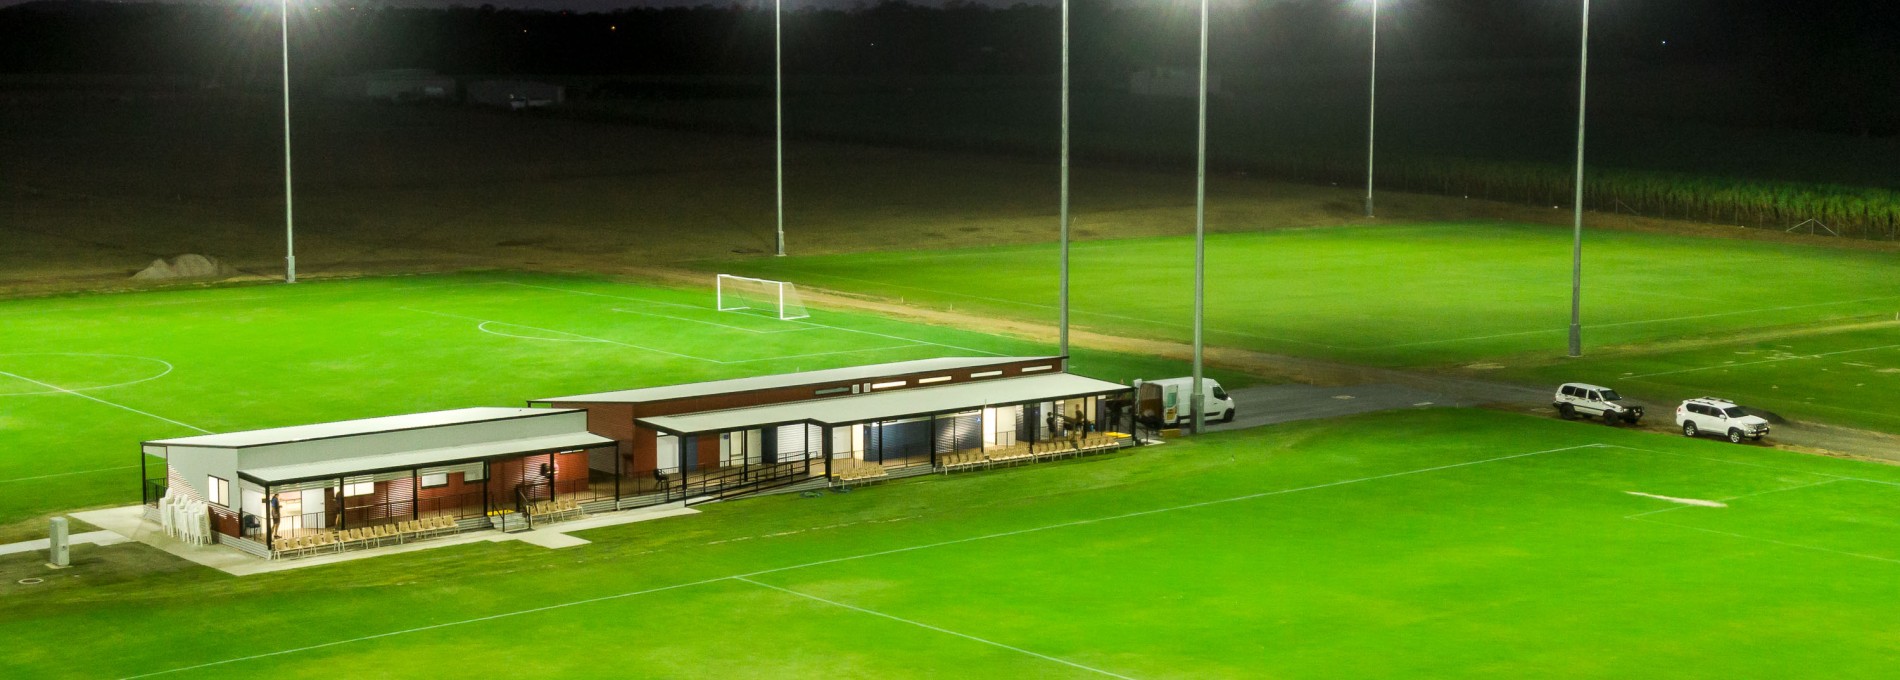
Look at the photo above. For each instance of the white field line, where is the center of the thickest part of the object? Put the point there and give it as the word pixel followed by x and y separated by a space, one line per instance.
pixel 168 370
pixel 825 354
pixel 1757 465
pixel 483 327
pixel 575 335
pixel 1764 361
pixel 712 323
pixel 836 560
pixel 1638 322
pixel 102 401
pixel 806 322
pixel 1686 502
pixel 66 474
pixel 927 626
pixel 1770 540
pixel 1723 503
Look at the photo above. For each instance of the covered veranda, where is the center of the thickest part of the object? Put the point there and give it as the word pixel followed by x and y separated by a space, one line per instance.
pixel 414 494
pixel 868 436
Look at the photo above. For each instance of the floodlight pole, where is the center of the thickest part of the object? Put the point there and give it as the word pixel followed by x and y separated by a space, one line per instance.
pixel 1576 247
pixel 1372 106
pixel 1063 325
pixel 778 110
pixel 1197 403
pixel 290 222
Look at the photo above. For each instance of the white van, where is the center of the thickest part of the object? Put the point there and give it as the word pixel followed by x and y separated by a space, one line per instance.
pixel 1167 401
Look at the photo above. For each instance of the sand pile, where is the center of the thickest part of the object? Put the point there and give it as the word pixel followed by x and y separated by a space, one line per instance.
pixel 185 267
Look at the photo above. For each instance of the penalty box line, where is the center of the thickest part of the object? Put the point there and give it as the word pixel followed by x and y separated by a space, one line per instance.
pixel 83 395
pixel 926 546
pixel 927 626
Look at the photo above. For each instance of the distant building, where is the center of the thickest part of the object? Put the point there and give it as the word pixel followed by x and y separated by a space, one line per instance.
pixel 1172 82
pixel 395 85
pixel 516 94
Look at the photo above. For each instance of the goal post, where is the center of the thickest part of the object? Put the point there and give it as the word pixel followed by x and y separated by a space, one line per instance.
pixel 742 293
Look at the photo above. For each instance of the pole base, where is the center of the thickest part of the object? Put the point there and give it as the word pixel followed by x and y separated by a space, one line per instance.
pixel 1576 340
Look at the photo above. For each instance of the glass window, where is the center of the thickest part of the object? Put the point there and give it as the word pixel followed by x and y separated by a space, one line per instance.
pixel 1219 393
pixel 1734 412
pixel 363 489
pixel 1570 391
pixel 438 479
pixel 1611 395
pixel 219 490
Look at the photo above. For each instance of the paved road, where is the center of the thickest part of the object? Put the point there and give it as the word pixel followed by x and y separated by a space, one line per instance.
pixel 1270 404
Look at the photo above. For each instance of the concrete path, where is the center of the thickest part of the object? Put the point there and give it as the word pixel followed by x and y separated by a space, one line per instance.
pixel 43 544
pixel 129 524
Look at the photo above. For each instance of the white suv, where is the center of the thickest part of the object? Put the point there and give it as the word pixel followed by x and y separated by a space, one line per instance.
pixel 1575 399
pixel 1719 416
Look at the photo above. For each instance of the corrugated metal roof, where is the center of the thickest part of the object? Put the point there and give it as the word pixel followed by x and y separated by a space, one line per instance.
pixel 343 467
pixel 767 382
pixel 887 405
pixel 348 428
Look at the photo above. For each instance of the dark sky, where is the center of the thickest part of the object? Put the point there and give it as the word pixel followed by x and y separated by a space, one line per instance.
pixel 599 5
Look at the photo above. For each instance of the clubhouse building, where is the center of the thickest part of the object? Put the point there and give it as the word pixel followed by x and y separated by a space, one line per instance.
pixel 359 483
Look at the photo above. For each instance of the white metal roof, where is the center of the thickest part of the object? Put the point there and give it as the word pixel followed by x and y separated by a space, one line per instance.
pixel 341 467
pixel 766 382
pixel 347 428
pixel 893 404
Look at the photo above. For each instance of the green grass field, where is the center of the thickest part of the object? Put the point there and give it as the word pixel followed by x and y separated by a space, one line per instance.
pixel 1423 295
pixel 1429 543
pixel 84 379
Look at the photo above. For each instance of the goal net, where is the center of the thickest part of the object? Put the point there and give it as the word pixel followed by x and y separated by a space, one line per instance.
pixel 777 298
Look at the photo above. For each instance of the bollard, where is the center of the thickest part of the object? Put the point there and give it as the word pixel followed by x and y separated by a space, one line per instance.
pixel 58 555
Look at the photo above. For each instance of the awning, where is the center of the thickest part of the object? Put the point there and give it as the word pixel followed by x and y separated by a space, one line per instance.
pixel 421 458
pixel 891 405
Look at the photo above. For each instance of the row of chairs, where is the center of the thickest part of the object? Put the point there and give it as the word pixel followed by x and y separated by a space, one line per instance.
pixel 862 472
pixel 337 541
pixel 1025 453
pixel 554 511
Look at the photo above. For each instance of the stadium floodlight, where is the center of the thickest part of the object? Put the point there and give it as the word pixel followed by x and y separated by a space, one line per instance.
pixel 1372 106
pixel 1198 402
pixel 742 293
pixel 1576 244
pixel 290 221
pixel 778 111
pixel 1063 324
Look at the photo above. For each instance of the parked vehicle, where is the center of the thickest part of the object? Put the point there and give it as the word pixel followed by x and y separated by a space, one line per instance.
pixel 1166 401
pixel 1582 399
pixel 1721 417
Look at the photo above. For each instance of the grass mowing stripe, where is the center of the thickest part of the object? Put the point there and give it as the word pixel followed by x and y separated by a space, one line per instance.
pixel 102 401
pixel 747 576
pixel 1769 540
pixel 927 626
pixel 1764 361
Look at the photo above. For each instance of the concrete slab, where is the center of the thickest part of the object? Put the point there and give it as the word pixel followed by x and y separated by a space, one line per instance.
pixel 129 524
pixel 88 538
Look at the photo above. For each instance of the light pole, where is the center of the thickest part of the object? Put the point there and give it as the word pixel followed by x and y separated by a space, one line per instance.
pixel 290 222
pixel 1197 403
pixel 1576 247
pixel 778 111
pixel 1063 325
pixel 1372 106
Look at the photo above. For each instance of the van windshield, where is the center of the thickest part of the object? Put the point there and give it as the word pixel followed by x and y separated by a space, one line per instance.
pixel 1220 393
pixel 1611 395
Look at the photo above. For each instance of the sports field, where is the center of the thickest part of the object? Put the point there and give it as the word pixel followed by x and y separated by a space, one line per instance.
pixel 1442 295
pixel 1429 543
pixel 84 379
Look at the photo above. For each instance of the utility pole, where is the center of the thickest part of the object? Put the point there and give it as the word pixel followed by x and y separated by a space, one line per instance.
pixel 290 222
pixel 1576 247
pixel 1063 325
pixel 1198 402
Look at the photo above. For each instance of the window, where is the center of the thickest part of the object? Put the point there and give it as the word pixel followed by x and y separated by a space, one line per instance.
pixel 1570 391
pixel 437 479
pixel 1220 393
pixel 1734 412
pixel 362 489
pixel 219 490
pixel 834 390
pixel 1038 369
pixel 884 385
pixel 1611 395
pixel 986 374
pixel 937 379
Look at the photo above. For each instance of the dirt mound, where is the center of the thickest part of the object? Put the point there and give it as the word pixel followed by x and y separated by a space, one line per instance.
pixel 190 266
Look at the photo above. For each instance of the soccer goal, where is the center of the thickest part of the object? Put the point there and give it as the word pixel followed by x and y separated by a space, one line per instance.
pixel 778 298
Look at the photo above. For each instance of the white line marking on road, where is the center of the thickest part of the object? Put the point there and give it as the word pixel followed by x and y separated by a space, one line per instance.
pixel 819 563
pixel 927 626
pixel 68 474
pixel 102 401
pixel 168 370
